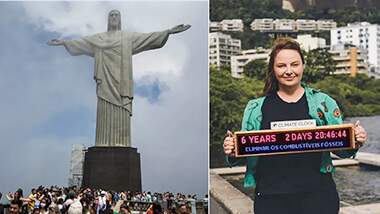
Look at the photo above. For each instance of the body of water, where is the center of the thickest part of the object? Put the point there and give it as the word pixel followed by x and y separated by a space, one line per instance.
pixel 372 126
pixel 356 184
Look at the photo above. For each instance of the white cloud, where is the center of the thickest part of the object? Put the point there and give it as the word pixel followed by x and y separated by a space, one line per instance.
pixel 73 19
pixel 170 60
pixel 172 139
pixel 68 18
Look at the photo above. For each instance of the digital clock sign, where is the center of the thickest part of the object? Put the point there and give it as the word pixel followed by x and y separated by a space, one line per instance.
pixel 300 140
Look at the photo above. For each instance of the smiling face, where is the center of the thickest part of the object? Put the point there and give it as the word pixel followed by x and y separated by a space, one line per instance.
pixel 285 66
pixel 288 68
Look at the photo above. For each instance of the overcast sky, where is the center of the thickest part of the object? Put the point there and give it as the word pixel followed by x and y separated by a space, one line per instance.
pixel 48 99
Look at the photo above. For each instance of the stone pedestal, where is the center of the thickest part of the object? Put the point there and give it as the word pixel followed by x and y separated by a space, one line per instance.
pixel 112 168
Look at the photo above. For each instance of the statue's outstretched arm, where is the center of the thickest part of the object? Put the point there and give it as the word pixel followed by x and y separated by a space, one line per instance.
pixel 178 28
pixel 55 42
pixel 75 47
pixel 148 41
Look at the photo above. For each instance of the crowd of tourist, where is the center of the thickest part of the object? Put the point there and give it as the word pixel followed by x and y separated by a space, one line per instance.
pixel 57 200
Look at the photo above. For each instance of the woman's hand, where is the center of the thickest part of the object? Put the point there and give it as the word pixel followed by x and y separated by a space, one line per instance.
pixel 9 196
pixel 360 135
pixel 229 145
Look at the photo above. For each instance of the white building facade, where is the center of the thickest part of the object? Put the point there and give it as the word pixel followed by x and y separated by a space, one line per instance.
pixel 349 59
pixel 284 24
pixel 221 48
pixel 363 35
pixel 268 24
pixel 239 61
pixel 232 25
pixel 262 24
pixel 308 43
pixel 325 24
pixel 306 25
pixel 215 26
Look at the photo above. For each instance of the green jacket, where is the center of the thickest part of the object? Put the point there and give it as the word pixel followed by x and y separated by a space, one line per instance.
pixel 322 108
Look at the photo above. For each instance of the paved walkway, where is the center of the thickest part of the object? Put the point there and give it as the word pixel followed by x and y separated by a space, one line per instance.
pixel 368 158
pixel 233 200
pixel 216 208
pixel 237 202
pixel 361 209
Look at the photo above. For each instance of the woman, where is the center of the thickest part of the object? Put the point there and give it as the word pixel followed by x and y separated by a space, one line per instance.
pixel 44 205
pixel 295 183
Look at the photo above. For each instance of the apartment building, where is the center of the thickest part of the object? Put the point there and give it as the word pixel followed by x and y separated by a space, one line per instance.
pixel 231 25
pixel 239 61
pixel 308 43
pixel 363 35
pixel 221 48
pixel 349 59
pixel 292 25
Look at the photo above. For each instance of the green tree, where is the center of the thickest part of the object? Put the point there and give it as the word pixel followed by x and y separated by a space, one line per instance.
pixel 256 69
pixel 251 39
pixel 353 100
pixel 228 98
pixel 318 64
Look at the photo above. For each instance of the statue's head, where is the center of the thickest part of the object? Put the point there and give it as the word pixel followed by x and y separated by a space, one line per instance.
pixel 114 20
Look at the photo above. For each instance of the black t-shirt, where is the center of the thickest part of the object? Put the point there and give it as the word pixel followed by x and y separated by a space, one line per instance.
pixel 291 173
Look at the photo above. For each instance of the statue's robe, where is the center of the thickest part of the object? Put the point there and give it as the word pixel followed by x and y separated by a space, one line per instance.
pixel 113 74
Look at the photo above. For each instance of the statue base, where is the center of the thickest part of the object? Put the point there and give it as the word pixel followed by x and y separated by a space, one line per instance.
pixel 112 168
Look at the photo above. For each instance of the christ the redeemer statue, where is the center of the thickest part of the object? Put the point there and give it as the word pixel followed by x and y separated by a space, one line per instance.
pixel 112 51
